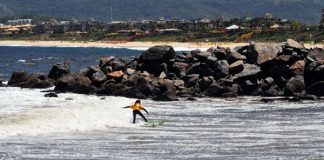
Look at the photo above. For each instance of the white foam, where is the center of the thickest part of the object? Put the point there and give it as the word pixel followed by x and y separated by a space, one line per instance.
pixel 28 112
pixel 21 61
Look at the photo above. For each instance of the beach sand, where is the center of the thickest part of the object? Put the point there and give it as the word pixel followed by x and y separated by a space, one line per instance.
pixel 132 45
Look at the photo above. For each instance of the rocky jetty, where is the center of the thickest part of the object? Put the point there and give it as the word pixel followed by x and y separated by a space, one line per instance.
pixel 286 69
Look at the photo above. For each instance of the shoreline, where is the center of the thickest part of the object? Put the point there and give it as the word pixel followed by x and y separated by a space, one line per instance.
pixel 131 45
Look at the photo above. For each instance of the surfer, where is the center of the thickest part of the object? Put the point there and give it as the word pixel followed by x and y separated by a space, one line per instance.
pixel 136 110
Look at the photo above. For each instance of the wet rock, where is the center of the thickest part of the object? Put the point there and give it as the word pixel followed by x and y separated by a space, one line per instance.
pixel 51 95
pixel 118 64
pixel 69 99
pixel 158 54
pixel 294 44
pixel 316 88
pixel 219 53
pixel 202 56
pixel 90 71
pixel 145 86
pixel 59 70
pixel 295 85
pixel 104 61
pixel 215 90
pixel 172 76
pixel 22 79
pixel 166 85
pixel 76 83
pixel 221 69
pixel 17 78
pixel 234 56
pixel 191 80
pixel 205 82
pixel 317 54
pixel 211 60
pixel 98 78
pixel 236 67
pixel 167 96
pixel 194 68
pixel 249 71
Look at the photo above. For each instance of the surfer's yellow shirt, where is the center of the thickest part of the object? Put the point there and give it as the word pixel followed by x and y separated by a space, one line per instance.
pixel 136 106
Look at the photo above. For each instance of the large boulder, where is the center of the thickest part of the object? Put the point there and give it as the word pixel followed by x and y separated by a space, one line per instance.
pixel 76 83
pixel 221 69
pixel 316 88
pixel 17 78
pixel 295 85
pixel 219 53
pixel 294 44
pixel 158 54
pixel 202 56
pixel 22 79
pixel 104 61
pixel 145 86
pixel 38 81
pixel 261 53
pixel 59 70
pixel 214 90
pixel 236 67
pixel 317 54
pixel 179 68
pixel 167 96
pixel 250 72
pixel 233 56
pixel 98 78
pixel 313 72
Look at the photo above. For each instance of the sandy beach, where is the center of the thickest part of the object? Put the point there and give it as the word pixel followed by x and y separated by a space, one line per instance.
pixel 131 45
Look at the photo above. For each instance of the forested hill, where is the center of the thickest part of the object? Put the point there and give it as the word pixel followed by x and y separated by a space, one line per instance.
pixel 307 11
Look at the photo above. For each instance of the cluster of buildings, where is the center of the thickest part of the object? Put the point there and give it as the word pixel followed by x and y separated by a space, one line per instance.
pixel 160 26
pixel 16 26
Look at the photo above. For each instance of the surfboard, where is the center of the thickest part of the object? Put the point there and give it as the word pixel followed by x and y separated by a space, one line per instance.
pixel 154 123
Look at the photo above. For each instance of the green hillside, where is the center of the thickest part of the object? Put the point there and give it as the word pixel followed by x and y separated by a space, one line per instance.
pixel 307 11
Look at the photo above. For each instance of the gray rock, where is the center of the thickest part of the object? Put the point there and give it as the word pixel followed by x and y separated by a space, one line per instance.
pixel 236 67
pixel 59 70
pixel 294 44
pixel 158 54
pixel 261 53
pixel 221 69
pixel 295 85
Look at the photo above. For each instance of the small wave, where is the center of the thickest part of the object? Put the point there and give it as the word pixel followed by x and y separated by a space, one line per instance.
pixel 21 61
pixel 34 114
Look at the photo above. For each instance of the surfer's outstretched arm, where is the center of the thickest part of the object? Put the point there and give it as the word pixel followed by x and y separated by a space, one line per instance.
pixel 126 107
pixel 145 110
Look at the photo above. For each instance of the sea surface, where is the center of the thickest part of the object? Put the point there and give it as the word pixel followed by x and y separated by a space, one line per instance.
pixel 75 126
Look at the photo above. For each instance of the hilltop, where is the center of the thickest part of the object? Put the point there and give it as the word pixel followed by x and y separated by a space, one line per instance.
pixel 306 11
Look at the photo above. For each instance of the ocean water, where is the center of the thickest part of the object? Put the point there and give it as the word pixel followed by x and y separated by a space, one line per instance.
pixel 41 59
pixel 75 126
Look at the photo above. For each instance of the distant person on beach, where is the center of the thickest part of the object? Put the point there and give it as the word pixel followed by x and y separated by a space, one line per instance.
pixel 136 110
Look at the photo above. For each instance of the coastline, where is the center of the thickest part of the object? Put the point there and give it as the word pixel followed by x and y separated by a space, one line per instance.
pixel 130 45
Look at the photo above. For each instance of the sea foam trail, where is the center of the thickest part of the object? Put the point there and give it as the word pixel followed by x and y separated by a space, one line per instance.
pixel 28 112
